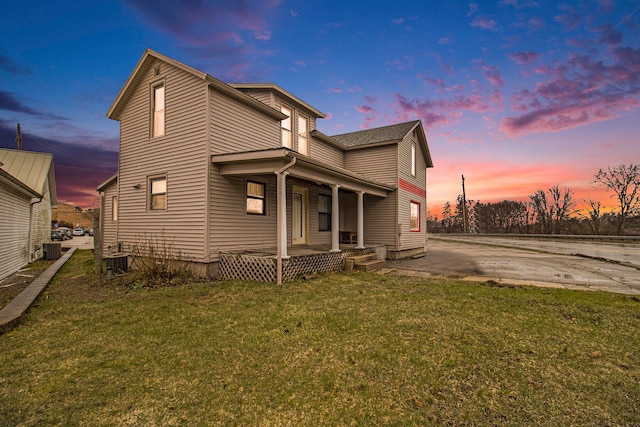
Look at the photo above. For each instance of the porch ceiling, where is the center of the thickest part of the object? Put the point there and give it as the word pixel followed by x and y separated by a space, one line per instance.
pixel 270 161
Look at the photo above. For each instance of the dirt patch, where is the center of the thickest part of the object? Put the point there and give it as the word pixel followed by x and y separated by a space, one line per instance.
pixel 11 286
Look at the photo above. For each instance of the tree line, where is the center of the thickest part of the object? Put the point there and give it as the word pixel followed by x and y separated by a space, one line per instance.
pixel 551 211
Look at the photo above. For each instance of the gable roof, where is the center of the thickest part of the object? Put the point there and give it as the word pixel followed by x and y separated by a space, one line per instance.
pixel 391 134
pixel 288 96
pixel 150 57
pixel 31 169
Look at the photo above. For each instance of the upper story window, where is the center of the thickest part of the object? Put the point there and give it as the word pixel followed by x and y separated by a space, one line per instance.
pixel 287 140
pixel 413 159
pixel 114 208
pixel 158 193
pixel 256 198
pixel 303 135
pixel 158 112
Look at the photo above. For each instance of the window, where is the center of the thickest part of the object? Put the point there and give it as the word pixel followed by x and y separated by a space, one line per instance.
pixel 324 212
pixel 255 198
pixel 114 208
pixel 286 128
pixel 413 159
pixel 158 111
pixel 158 196
pixel 414 221
pixel 303 135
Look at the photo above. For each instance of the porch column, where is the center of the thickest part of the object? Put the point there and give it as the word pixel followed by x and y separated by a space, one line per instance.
pixel 360 220
pixel 282 215
pixel 335 219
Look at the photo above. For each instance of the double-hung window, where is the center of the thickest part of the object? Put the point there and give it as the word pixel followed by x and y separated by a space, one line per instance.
pixel 114 208
pixel 158 193
pixel 303 135
pixel 256 198
pixel 414 220
pixel 287 140
pixel 324 212
pixel 413 159
pixel 158 112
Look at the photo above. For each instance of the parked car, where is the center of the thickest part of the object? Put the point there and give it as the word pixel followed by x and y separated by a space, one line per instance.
pixel 56 235
pixel 65 232
pixel 78 231
pixel 86 231
pixel 91 232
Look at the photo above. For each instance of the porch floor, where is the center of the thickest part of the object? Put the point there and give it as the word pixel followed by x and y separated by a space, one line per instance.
pixel 300 250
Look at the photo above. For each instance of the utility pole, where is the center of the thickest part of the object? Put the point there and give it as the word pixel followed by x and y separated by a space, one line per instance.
pixel 465 215
pixel 19 137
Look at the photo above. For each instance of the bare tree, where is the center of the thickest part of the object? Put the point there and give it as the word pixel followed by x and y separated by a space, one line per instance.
pixel 594 215
pixel 624 181
pixel 542 210
pixel 562 204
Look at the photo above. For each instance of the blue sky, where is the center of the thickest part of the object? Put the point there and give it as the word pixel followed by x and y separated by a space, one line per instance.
pixel 514 94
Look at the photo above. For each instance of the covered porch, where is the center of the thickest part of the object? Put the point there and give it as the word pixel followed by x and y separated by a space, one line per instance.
pixel 298 204
pixel 262 265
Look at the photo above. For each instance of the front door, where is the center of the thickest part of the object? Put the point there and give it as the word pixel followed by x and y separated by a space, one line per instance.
pixel 299 215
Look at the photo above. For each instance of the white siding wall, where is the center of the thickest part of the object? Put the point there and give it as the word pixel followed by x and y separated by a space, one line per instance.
pixel 14 230
pixel 180 155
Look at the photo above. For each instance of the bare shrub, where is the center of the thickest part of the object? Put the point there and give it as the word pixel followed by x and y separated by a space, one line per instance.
pixel 157 262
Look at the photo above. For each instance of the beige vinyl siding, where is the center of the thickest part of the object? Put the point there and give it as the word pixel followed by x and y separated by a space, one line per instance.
pixel 266 97
pixel 377 163
pixel 323 152
pixel 236 127
pixel 14 230
pixel 231 227
pixel 411 239
pixel 348 211
pixel 180 155
pixel 380 220
pixel 109 227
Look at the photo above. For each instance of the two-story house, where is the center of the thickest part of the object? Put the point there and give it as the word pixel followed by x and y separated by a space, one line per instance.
pixel 219 167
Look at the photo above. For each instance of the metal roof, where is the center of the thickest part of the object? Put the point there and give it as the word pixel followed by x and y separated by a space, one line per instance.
pixel 30 168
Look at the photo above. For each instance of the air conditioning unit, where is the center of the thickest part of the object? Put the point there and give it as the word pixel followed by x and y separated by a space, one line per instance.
pixel 118 264
pixel 52 250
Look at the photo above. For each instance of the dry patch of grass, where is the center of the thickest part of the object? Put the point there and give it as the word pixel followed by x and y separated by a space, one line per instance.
pixel 339 350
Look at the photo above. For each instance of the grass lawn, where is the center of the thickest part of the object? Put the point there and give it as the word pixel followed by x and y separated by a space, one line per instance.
pixel 343 349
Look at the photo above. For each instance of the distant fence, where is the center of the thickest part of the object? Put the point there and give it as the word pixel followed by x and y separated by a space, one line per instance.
pixel 582 237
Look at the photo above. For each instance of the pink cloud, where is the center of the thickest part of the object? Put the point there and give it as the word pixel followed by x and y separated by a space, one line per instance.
pixel 483 22
pixel 524 57
pixel 336 90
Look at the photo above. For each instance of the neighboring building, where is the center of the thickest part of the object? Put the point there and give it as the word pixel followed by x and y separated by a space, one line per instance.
pixel 69 214
pixel 217 167
pixel 27 193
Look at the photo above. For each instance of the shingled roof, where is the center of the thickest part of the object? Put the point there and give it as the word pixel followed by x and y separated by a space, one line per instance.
pixel 377 135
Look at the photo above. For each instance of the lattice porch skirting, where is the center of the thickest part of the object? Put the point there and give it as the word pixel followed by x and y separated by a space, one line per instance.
pixel 245 266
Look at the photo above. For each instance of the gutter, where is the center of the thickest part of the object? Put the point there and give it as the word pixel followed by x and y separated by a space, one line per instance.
pixel 31 227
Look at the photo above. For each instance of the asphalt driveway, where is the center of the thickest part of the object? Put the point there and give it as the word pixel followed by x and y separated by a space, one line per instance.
pixel 571 264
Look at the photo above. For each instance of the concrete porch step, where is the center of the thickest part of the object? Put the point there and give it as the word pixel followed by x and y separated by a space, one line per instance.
pixel 371 265
pixel 357 259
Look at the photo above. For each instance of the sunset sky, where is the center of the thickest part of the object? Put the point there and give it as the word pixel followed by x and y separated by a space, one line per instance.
pixel 516 95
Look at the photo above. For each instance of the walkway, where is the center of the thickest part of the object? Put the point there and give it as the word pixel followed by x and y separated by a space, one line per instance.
pixel 11 314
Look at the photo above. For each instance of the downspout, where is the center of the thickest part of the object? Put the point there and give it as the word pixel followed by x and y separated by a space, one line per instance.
pixel 31 227
pixel 281 226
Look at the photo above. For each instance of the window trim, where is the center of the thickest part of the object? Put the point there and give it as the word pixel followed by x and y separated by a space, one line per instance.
pixel 411 204
pixel 263 198
pixel 154 87
pixel 114 208
pixel 303 135
pixel 328 214
pixel 150 194
pixel 413 159
pixel 284 129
